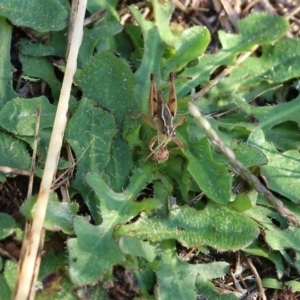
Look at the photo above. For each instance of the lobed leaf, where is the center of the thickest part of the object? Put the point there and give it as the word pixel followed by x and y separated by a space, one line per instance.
pixel 94 250
pixel 195 228
pixel 176 278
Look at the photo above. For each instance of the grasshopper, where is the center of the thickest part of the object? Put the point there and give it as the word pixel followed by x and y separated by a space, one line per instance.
pixel 162 120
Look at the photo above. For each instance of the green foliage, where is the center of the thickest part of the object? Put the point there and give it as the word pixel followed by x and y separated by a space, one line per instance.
pixel 7 225
pixel 40 16
pixel 6 69
pixel 55 285
pixel 19 115
pixel 195 228
pixel 7 279
pixel 281 171
pixel 208 173
pixel 59 215
pixel 20 158
pixel 176 279
pixel 44 72
pixel 97 242
pixel 128 198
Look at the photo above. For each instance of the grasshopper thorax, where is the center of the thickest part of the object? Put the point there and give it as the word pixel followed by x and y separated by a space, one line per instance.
pixel 169 131
pixel 166 119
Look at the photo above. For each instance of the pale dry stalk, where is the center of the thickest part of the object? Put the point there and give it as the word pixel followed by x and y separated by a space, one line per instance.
pixel 34 236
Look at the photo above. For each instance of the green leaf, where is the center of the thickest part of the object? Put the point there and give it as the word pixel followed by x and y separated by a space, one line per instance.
pixel 119 166
pixel 272 283
pixel 278 63
pixel 206 289
pixel 213 270
pixel 275 257
pixel 52 262
pixel 136 247
pixel 162 189
pixel 162 15
pixel 276 238
pixel 59 215
pixel 108 80
pixel 7 225
pixel 7 279
pixel 19 115
pixel 257 29
pixel 153 51
pixel 56 283
pixel 13 152
pixel 211 176
pixel 249 156
pixel 6 69
pixel 191 44
pixel 105 29
pixel 56 46
pixel 277 114
pixel 241 202
pixel 91 253
pixel 136 40
pixel 279 239
pixel 90 132
pixel 177 170
pixel 294 284
pixel 250 35
pixel 176 278
pixel 281 171
pixel 95 250
pixel 281 60
pixel 285 136
pixel 45 71
pixel 41 16
pixel 214 226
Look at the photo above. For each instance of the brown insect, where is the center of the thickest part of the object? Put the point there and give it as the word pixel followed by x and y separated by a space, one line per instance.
pixel 161 118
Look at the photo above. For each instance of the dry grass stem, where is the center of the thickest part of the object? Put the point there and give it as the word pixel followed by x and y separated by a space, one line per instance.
pixel 33 240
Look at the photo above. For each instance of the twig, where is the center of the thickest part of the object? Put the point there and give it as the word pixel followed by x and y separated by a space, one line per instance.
pixel 35 143
pixel 15 171
pixel 29 194
pixel 293 12
pixel 19 277
pixel 258 280
pixel 32 242
pixel 239 167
